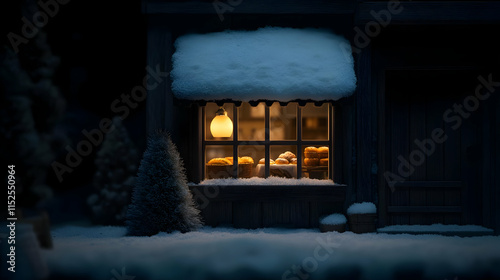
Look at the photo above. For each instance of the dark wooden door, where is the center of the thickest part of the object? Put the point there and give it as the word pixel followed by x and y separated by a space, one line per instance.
pixel 439 181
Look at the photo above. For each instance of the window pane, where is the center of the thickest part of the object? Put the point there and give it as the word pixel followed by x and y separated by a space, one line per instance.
pixel 315 122
pixel 218 161
pixel 249 156
pixel 283 122
pixel 315 162
pixel 285 161
pixel 210 110
pixel 251 124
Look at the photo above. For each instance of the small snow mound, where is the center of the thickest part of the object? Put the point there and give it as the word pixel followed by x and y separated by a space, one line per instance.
pixel 275 181
pixel 333 219
pixel 362 208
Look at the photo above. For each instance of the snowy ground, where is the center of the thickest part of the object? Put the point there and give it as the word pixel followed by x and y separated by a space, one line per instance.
pixel 224 253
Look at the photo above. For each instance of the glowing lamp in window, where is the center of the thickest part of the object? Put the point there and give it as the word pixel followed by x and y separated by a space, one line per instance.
pixel 221 125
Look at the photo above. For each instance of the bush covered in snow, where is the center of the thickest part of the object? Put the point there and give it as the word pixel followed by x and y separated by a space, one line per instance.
pixel 362 208
pixel 161 200
pixel 116 165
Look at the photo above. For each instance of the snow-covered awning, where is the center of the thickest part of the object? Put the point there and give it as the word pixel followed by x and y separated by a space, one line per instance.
pixel 281 64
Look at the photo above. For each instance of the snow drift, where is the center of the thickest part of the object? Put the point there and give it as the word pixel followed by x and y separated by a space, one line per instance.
pixel 281 64
pixel 226 253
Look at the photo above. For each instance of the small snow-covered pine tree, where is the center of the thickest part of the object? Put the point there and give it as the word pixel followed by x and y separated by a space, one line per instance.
pixel 161 200
pixel 116 165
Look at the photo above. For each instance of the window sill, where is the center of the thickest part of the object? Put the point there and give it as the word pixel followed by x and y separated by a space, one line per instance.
pixel 274 181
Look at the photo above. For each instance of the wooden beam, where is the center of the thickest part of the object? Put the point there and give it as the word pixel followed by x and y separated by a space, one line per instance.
pixel 197 133
pixel 159 101
pixel 274 142
pixel 433 12
pixel 378 76
pixel 488 128
pixel 424 209
pixel 496 168
pixel 346 144
pixel 251 7
pixel 364 128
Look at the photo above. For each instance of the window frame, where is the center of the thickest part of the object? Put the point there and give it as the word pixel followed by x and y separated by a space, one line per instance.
pixel 267 142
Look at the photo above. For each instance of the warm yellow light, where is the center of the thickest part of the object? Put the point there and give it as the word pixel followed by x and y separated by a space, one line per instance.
pixel 221 125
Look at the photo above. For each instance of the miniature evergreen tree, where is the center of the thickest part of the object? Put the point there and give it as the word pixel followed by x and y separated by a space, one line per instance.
pixel 161 200
pixel 116 164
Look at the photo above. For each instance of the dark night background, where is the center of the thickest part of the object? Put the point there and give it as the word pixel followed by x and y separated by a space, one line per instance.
pixel 102 52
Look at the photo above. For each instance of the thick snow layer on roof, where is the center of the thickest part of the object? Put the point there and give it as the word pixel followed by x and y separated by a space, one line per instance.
pixel 333 219
pixel 435 228
pixel 271 63
pixel 277 181
pixel 226 253
pixel 362 208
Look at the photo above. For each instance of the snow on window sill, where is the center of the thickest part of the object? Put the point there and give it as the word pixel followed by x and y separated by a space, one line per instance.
pixel 274 181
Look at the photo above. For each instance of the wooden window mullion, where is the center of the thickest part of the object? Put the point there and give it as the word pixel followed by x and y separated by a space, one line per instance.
pixel 267 155
pixel 299 142
pixel 203 133
pixel 235 142
pixel 331 135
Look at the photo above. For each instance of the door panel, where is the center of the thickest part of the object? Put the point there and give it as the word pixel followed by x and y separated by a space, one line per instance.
pixel 447 177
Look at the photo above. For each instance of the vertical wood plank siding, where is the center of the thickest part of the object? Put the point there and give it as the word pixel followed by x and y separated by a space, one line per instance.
pixel 269 206
pixel 364 148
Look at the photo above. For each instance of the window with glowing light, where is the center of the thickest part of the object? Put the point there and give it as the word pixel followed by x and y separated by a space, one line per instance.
pixel 279 140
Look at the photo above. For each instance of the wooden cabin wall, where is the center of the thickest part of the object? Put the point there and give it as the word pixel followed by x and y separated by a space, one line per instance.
pixel 491 197
pixel 488 137
pixel 365 144
pixel 345 152
pixel 160 99
pixel 163 112
pixel 466 192
pixel 365 132
pixel 266 206
pixel 496 170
